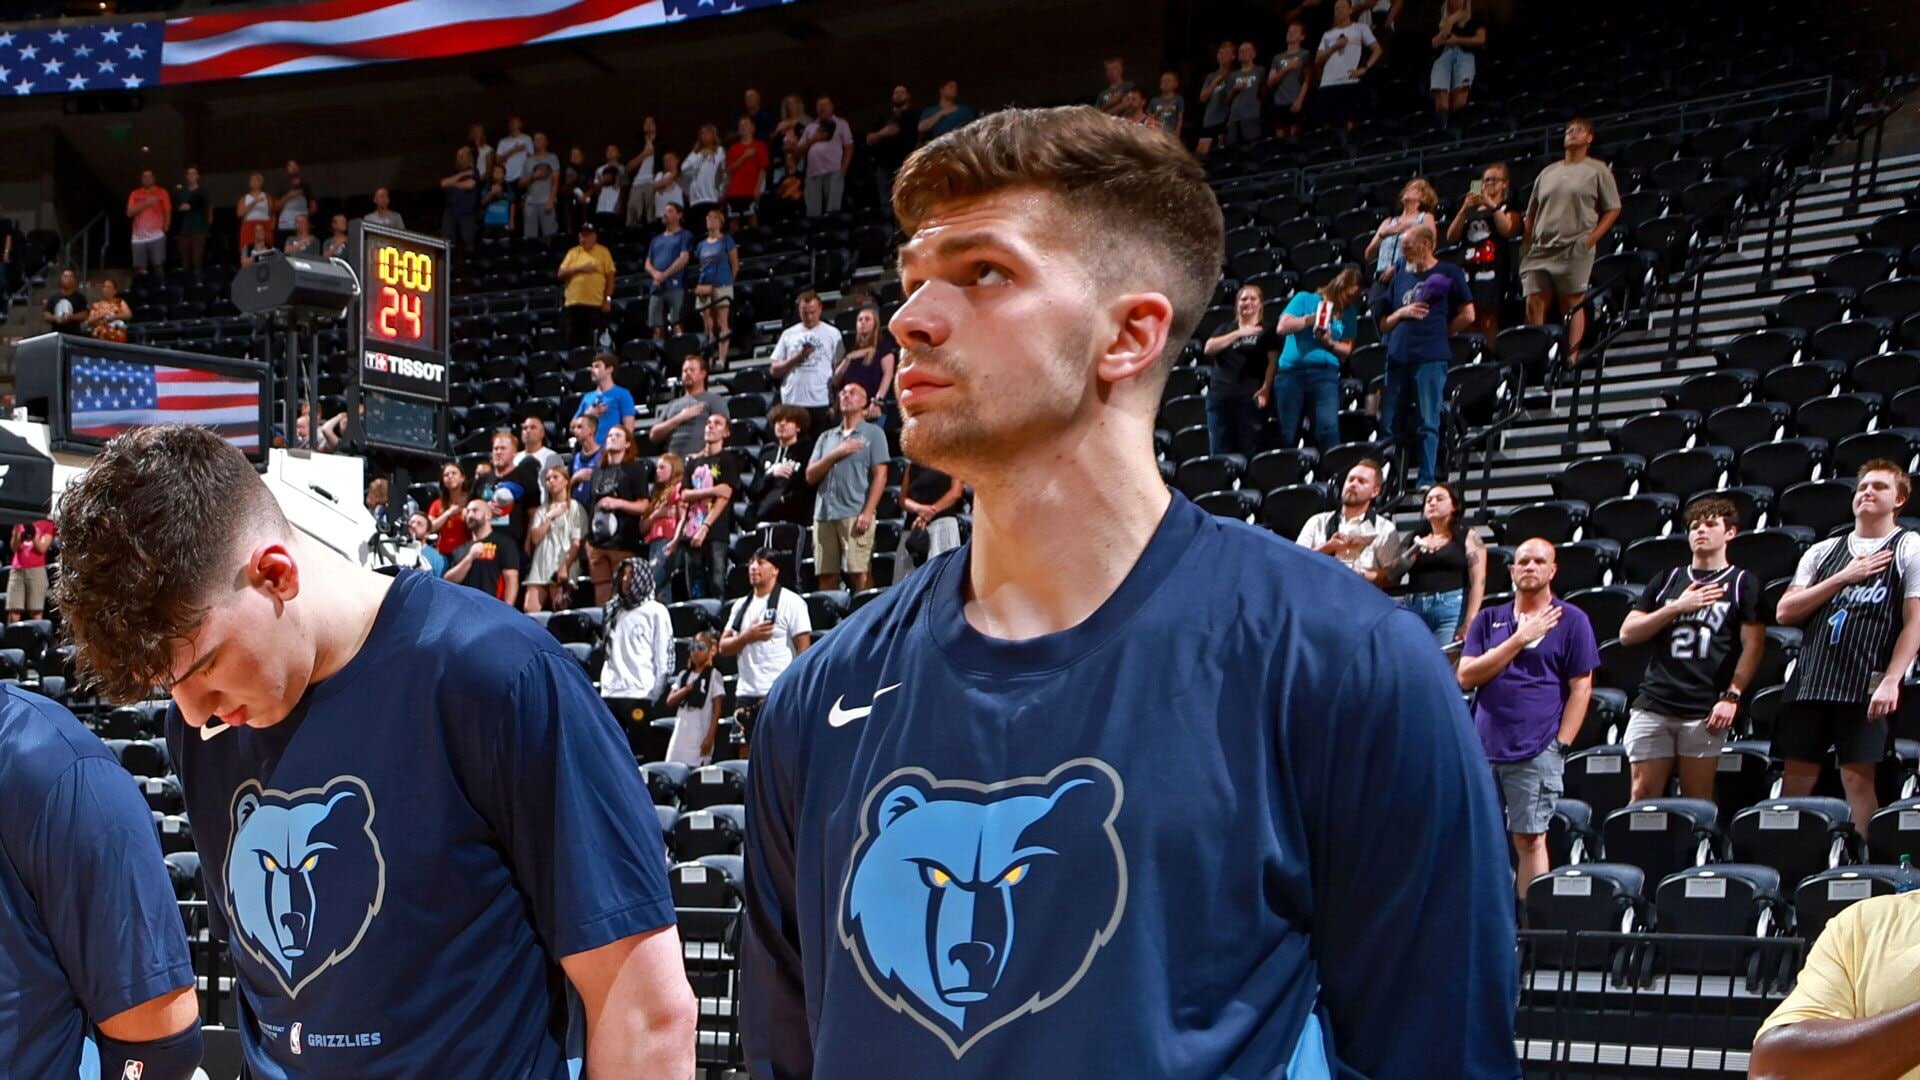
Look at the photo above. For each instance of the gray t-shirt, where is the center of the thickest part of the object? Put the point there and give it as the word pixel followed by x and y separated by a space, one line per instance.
pixel 1568 199
pixel 691 437
pixel 843 491
pixel 1294 65
pixel 538 191
pixel 1244 85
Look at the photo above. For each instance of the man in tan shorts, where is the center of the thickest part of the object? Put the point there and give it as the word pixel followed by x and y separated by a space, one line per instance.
pixel 849 469
pixel 27 578
pixel 1575 201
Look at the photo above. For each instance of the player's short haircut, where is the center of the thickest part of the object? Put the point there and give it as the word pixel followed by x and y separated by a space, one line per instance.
pixel 1379 471
pixel 1582 122
pixel 609 359
pixel 1902 483
pixel 793 414
pixel 511 435
pixel 1138 205
pixel 147 534
pixel 1713 506
pixel 806 295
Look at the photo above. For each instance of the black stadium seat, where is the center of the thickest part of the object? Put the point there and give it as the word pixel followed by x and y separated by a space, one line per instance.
pixel 665 780
pixel 1769 553
pixel 1570 835
pixel 1728 900
pixel 716 830
pixel 1893 831
pixel 1834 418
pixel 1662 836
pixel 1780 465
pixel 1820 505
pixel 1651 434
pixel 1796 836
pixel 1633 517
pixel 1555 522
pixel 1606 607
pixel 1644 560
pixel 1599 778
pixel 1826 894
pixel 1597 479
pixel 1593 896
pixel 1286 510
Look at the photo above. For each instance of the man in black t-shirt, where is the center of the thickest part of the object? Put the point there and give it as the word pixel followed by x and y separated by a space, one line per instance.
pixel 893 138
pixel 489 561
pixel 1698 618
pixel 526 474
pixel 713 475
pixel 67 308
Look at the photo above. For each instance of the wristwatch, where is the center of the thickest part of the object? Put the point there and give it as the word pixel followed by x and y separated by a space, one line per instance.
pixel 1561 748
pixel 1730 695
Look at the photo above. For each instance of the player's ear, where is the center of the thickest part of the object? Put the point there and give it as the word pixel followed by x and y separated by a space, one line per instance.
pixel 1141 323
pixel 272 567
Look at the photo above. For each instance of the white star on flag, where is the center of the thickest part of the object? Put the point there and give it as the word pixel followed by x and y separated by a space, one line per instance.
pixel 132 81
pixel 59 37
pixel 106 65
pixel 52 66
pixel 135 52
pixel 110 36
pixel 29 52
pixel 6 38
pixel 5 74
pixel 76 82
pixel 23 87
pixel 83 51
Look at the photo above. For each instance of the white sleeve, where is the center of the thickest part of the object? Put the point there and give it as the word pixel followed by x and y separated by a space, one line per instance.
pixel 1366 35
pixel 662 647
pixel 1909 559
pixel 794 610
pixel 1810 562
pixel 1306 532
pixel 781 348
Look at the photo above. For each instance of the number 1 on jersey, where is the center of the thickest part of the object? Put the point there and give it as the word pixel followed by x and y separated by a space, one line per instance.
pixel 1837 620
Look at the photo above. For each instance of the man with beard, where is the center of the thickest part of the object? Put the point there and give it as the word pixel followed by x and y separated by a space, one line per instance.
pixel 1208 802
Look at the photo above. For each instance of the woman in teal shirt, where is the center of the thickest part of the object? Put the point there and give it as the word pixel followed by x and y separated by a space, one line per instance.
pixel 1308 378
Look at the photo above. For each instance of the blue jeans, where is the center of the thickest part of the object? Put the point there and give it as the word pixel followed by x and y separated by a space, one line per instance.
pixel 1417 388
pixel 1439 610
pixel 1315 390
pixel 1233 425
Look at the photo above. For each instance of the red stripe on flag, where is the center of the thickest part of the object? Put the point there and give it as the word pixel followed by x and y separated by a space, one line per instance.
pixel 418 45
pixel 200 402
pixel 180 375
pixel 201 27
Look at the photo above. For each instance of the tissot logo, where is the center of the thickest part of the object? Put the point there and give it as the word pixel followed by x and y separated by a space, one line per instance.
pixel 404 367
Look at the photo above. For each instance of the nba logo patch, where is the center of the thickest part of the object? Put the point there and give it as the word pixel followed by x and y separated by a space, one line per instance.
pixel 293 1038
pixel 133 1070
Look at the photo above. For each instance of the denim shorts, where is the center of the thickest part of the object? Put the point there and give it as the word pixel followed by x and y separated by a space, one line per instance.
pixel 1440 611
pixel 1531 789
pixel 1452 69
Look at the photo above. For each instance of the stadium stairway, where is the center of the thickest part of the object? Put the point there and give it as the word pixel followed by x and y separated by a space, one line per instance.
pixel 1640 365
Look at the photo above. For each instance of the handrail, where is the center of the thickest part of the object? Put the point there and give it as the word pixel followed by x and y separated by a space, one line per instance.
pixel 82 239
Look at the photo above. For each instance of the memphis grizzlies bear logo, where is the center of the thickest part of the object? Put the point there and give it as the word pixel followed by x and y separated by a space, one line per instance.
pixel 305 876
pixel 970 905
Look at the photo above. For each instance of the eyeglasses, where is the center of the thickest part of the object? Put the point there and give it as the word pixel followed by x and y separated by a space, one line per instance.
pixel 698 646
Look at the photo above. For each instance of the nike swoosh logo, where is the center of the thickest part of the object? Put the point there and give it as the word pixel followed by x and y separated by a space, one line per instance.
pixel 839 717
pixel 210 730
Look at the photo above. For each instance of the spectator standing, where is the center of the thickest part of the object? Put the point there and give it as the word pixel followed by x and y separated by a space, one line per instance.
pixel 192 216
pixel 1288 78
pixel 1243 97
pixel 587 272
pixel 576 185
pixel 705 172
pixel 697 698
pixel 586 456
pixel 791 126
pixel 107 317
pixel 150 209
pixel 1170 108
pixel 608 195
pixel 1356 534
pixel 931 499
pixel 301 241
pixel 262 245
pixel 336 244
pixel 719 264
pixel 828 147
pixel 768 628
pixel 608 404
pixel 1487 226
pixel 753 108
pixel 27 578
pixel 1574 202
pixel 555 532
pixel 488 562
pixel 706 529
pixel 1434 302
pixel 1214 96
pixel 1697 620
pixel 660 532
pixel 480 149
pixel 669 255
pixel 254 207
pixel 540 185
pixel 66 307
pixel 383 211
pixel 1240 364
pixel 1112 97
pixel 638 638
pixel 620 503
pixel 683 423
pixel 514 152
pixel 780 492
pixel 448 512
pixel 1318 329
pixel 1134 110
pixel 892 139
pixel 298 199
pixel 460 222
pixel 1446 567
pixel 641 171
pixel 1340 95
pixel 1859 597
pixel 1460 39
pixel 1417 203
pixel 533 446
pixel 669 188
pixel 804 359
pixel 950 114
pixel 748 160
pixel 1530 662
pixel 420 528
pixel 869 361
pixel 849 468
pixel 510 466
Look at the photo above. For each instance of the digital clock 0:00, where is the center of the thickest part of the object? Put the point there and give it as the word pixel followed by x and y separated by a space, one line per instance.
pixel 407 269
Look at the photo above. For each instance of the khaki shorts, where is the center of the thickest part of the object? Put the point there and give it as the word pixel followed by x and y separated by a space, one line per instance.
pixel 27 589
pixel 1562 271
pixel 836 549
pixel 722 294
pixel 1653 736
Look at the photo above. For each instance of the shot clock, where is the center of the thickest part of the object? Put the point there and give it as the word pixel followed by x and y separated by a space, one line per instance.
pixel 402 337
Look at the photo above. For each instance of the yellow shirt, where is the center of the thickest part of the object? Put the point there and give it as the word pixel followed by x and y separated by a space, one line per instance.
pixel 1866 963
pixel 592 286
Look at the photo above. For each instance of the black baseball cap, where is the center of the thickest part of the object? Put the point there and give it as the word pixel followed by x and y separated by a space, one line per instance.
pixel 589 226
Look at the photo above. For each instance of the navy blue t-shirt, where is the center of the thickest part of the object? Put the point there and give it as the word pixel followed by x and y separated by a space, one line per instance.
pixel 667 247
pixel 1234 824
pixel 398 866
pixel 88 923
pixel 1425 340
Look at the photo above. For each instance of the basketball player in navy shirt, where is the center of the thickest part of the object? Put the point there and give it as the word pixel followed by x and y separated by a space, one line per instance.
pixel 1118 788
pixel 95 981
pixel 417 822
pixel 1856 599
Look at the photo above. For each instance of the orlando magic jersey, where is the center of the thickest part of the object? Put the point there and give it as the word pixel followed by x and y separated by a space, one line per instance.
pixel 398 866
pixel 1849 641
pixel 88 923
pixel 1234 824
pixel 1693 656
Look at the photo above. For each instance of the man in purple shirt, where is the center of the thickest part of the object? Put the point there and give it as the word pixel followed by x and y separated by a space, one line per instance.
pixel 828 146
pixel 1532 662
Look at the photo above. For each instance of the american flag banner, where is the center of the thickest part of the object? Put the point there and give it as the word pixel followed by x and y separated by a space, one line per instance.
pixel 70 59
pixel 108 397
